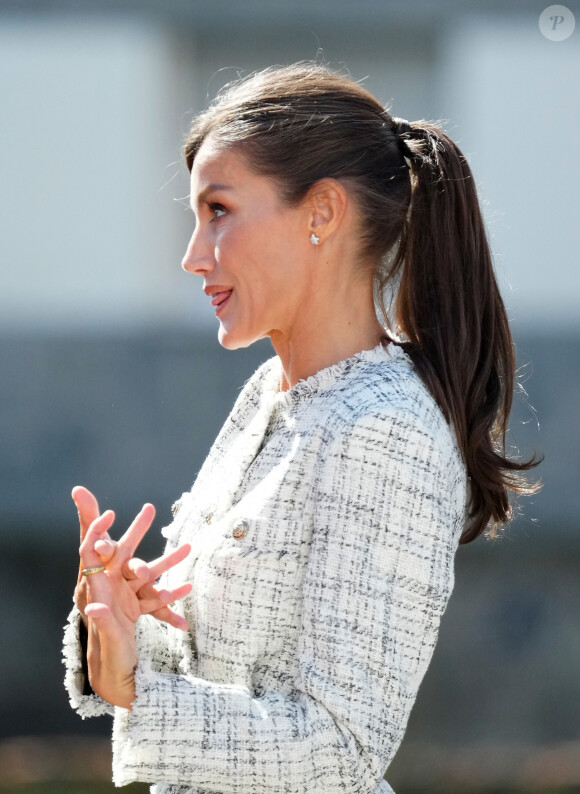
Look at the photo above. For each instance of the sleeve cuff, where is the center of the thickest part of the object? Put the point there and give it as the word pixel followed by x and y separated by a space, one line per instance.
pixel 82 698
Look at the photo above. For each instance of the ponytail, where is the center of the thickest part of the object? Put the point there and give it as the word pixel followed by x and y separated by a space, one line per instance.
pixel 449 309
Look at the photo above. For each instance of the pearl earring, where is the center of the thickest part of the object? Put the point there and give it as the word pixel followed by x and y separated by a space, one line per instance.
pixel 314 239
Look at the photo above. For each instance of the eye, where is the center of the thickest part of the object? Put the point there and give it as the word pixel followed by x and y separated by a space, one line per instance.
pixel 217 210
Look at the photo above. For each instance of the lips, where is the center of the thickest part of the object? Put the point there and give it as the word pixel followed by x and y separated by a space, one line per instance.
pixel 220 297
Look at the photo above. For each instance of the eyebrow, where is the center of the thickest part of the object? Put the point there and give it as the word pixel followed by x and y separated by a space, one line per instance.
pixel 210 189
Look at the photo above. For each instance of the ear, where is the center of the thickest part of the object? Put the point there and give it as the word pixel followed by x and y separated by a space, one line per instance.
pixel 327 202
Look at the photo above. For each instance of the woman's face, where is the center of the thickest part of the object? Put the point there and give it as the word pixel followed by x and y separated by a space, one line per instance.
pixel 251 251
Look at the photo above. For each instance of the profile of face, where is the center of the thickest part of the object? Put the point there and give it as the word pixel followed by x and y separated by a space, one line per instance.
pixel 250 249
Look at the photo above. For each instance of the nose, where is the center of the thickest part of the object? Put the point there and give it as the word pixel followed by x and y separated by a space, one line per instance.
pixel 198 258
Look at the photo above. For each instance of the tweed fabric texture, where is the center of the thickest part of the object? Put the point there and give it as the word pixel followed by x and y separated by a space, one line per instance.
pixel 324 524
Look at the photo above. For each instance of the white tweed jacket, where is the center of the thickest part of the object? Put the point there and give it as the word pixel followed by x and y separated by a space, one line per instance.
pixel 324 524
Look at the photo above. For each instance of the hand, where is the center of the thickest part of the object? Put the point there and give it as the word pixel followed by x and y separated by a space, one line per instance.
pixel 132 569
pixel 114 599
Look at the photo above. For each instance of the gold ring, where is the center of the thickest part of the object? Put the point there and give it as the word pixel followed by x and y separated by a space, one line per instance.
pixel 89 571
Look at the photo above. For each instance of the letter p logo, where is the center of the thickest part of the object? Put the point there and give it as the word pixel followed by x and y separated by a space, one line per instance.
pixel 556 23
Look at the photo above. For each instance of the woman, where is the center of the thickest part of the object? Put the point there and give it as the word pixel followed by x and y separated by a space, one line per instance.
pixel 324 522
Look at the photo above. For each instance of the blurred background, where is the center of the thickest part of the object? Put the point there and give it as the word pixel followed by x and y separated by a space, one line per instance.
pixel 111 374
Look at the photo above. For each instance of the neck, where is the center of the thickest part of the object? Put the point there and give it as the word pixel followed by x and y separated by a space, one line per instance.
pixel 333 332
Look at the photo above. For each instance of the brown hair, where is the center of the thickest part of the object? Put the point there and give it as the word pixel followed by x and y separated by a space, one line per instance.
pixel 424 229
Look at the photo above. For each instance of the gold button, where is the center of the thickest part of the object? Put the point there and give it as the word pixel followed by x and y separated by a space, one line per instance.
pixel 241 530
pixel 208 518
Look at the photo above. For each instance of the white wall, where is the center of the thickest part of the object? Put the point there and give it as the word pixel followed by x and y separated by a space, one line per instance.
pixel 513 97
pixel 91 135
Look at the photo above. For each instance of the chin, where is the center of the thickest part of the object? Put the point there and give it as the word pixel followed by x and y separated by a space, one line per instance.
pixel 232 341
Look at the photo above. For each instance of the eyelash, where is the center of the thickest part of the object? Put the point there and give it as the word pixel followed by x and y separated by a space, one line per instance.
pixel 215 207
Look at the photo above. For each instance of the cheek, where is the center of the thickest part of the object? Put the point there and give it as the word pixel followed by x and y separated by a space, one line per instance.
pixel 262 257
pixel 236 245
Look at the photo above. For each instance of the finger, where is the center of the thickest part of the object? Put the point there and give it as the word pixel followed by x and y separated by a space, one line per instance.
pixel 98 613
pixel 151 572
pixel 167 561
pixel 89 556
pixel 87 507
pixel 136 532
pixel 136 569
pixel 154 598
pixel 159 602
pixel 167 615
pixel 105 549
pixel 165 612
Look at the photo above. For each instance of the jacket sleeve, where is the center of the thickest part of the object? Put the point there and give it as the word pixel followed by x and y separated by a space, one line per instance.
pixel 389 509
pixel 85 702
pixel 151 637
